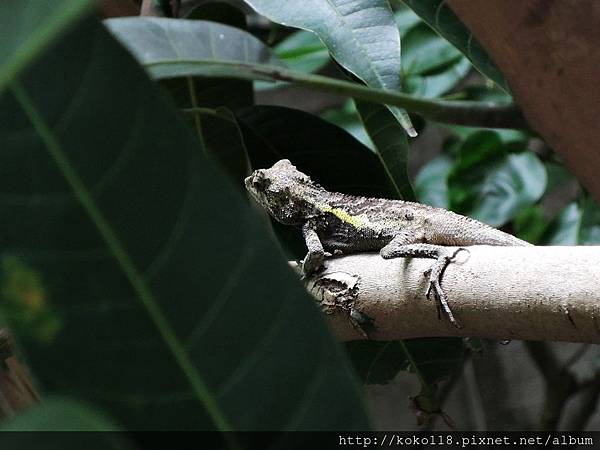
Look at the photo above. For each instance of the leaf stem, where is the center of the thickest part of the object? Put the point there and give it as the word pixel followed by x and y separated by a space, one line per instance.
pixel 197 119
pixel 467 113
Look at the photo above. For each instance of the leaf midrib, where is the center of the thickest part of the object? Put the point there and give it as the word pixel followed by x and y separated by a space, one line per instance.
pixel 142 290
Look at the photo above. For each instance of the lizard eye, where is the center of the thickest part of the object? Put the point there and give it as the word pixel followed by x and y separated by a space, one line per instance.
pixel 260 181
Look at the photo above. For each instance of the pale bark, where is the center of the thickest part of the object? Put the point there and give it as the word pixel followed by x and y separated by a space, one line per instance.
pixel 527 293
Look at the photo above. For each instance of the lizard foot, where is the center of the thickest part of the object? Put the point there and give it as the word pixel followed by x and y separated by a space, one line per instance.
pixel 313 262
pixel 435 273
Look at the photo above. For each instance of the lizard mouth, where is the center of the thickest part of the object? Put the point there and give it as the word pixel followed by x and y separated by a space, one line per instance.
pixel 253 185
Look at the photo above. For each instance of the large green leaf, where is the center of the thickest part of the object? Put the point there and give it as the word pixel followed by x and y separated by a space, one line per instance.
pixel 431 360
pixel 303 51
pixel 431 183
pixel 424 51
pixel 391 146
pixel 82 427
pixel 361 35
pixel 576 224
pixel 154 49
pixel 30 27
pixel 491 185
pixel 516 183
pixel 61 414
pixel 154 39
pixel 438 15
pixel 175 309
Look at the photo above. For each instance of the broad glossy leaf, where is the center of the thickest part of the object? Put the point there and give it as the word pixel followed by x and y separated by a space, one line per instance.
pixel 224 140
pixel 163 41
pixel 153 263
pixel 217 92
pixel 432 359
pixel 346 117
pixel 425 51
pixel 62 424
pixel 438 15
pixel 377 362
pixel 530 224
pixel 576 224
pixel 406 19
pixel 479 148
pixel 564 229
pixel 361 36
pixel 63 414
pixel 30 27
pixel 302 51
pixel 436 84
pixel 431 183
pixel 391 146
pixel 516 183
pixel 491 185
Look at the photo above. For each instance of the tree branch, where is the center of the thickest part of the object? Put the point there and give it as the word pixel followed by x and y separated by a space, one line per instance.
pixel 468 113
pixel 526 293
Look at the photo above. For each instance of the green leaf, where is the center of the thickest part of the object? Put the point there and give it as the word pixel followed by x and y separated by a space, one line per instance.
pixel 80 426
pixel 424 51
pixel 302 51
pixel 476 151
pixel 576 225
pixel 347 118
pixel 530 224
pixel 30 27
pixel 154 50
pixel 406 19
pixel 361 36
pixel 61 414
pixel 391 146
pixel 438 15
pixel 152 261
pixel 431 183
pixel 170 41
pixel 224 141
pixel 488 184
pixel 516 183
pixel 564 229
pixel 436 84
pixel 430 359
pixel 377 362
pixel 212 92
pixel 434 358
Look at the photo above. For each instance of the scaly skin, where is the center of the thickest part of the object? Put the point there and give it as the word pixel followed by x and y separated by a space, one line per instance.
pixel 335 222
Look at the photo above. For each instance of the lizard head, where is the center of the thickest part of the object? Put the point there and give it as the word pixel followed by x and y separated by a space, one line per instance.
pixel 284 192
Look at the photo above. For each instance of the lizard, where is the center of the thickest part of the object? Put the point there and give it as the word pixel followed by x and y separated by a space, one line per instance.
pixel 332 222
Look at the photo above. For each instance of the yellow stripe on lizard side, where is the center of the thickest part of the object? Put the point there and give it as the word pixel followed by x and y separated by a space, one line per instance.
pixel 355 221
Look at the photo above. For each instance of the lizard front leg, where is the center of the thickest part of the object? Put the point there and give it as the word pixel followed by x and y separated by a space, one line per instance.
pixel 313 262
pixel 399 247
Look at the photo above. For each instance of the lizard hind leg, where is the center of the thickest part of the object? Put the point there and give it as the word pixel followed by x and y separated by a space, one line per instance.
pixel 443 257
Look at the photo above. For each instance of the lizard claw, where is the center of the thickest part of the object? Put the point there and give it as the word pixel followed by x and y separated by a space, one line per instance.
pixel 312 263
pixel 435 273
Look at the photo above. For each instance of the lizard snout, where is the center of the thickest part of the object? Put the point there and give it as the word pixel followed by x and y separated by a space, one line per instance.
pixel 257 181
